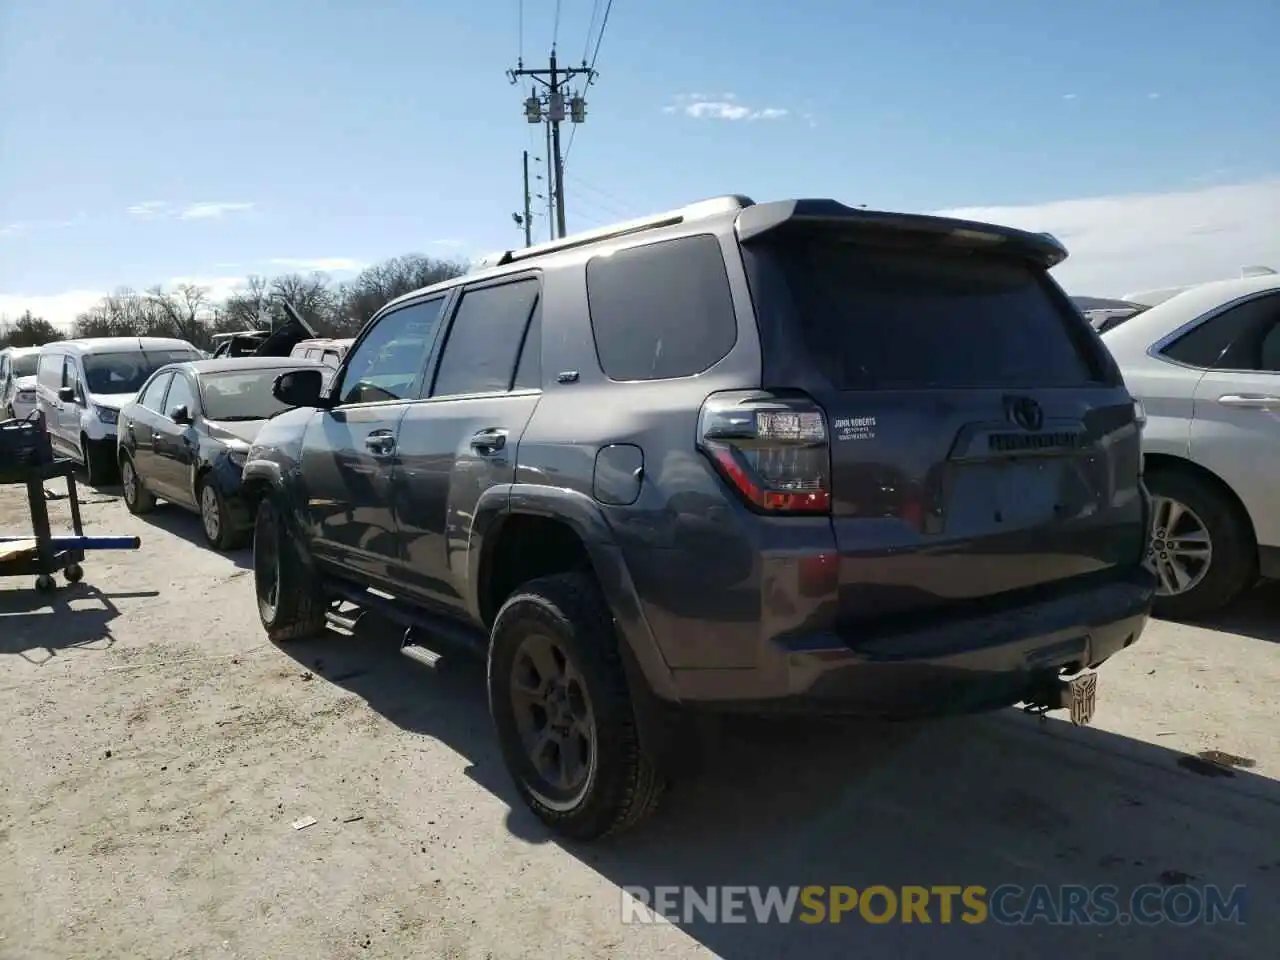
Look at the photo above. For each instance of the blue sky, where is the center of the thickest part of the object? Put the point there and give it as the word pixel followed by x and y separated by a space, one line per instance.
pixel 144 141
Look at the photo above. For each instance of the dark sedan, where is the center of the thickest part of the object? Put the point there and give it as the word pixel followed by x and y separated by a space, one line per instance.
pixel 185 436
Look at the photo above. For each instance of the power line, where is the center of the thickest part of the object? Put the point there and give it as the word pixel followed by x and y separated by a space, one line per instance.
pixel 591 29
pixel 555 27
pixel 591 70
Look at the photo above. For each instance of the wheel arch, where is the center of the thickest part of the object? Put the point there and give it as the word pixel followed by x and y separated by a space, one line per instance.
pixel 1171 463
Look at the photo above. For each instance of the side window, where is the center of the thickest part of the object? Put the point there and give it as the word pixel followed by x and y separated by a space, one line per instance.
pixel 4 368
pixel 70 374
pixel 662 310
pixel 1230 341
pixel 180 395
pixel 153 396
pixel 49 371
pixel 480 354
pixel 331 358
pixel 1269 350
pixel 387 363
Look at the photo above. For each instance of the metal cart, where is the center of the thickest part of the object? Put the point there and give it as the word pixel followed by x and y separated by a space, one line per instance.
pixel 26 458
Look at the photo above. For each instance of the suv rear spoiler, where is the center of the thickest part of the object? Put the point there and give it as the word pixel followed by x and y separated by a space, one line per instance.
pixel 762 219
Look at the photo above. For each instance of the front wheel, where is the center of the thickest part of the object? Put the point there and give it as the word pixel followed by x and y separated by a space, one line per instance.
pixel 560 704
pixel 290 601
pixel 216 519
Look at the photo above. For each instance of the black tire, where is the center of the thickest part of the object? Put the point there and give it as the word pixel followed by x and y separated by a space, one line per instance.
pixel 95 468
pixel 137 498
pixel 622 786
pixel 45 583
pixel 74 573
pixel 295 611
pixel 220 530
pixel 1233 566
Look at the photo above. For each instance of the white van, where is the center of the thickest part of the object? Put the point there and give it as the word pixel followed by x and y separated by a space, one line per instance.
pixel 328 351
pixel 18 382
pixel 81 385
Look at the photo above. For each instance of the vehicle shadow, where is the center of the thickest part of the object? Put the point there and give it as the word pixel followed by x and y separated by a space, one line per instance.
pixel 186 525
pixel 993 800
pixel 39 626
pixel 1256 614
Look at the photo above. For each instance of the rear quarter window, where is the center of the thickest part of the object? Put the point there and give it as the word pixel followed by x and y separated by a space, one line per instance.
pixel 909 317
pixel 662 310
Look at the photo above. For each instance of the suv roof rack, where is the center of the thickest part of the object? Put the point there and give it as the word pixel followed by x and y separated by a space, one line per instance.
pixel 698 210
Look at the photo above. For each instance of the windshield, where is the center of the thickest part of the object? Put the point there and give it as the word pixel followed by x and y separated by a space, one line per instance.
pixel 241 394
pixel 126 372
pixel 24 365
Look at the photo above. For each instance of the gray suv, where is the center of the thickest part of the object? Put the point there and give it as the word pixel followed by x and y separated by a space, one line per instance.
pixel 786 456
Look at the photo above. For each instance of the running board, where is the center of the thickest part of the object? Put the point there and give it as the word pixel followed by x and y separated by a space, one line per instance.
pixel 418 625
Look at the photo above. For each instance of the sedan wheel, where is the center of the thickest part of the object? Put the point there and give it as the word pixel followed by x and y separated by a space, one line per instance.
pixel 1181 549
pixel 137 498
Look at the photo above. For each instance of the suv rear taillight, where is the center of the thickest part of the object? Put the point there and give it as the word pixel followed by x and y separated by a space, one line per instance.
pixel 771 447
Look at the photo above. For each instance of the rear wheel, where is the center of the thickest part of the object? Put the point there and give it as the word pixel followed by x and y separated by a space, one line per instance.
pixel 1202 548
pixel 562 710
pixel 137 498
pixel 290 601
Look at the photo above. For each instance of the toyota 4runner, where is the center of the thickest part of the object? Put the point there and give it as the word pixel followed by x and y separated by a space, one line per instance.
pixel 786 456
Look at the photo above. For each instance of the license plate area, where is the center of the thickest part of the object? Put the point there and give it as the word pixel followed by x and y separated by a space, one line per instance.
pixel 1083 695
pixel 987 497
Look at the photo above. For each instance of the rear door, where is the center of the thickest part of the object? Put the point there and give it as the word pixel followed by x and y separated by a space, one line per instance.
pixel 139 431
pixel 1235 429
pixel 462 439
pixel 981 440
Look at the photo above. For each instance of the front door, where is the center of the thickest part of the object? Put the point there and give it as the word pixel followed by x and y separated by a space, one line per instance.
pixel 172 470
pixel 463 439
pixel 139 431
pixel 350 453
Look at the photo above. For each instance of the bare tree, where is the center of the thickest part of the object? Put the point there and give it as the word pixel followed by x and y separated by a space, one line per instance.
pixel 184 313
pixel 373 287
pixel 311 296
pixel 245 308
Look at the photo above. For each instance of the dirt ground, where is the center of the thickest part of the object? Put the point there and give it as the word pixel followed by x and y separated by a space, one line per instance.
pixel 157 751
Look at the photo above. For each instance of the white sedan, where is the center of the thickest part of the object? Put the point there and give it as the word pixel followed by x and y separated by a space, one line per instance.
pixel 1206 366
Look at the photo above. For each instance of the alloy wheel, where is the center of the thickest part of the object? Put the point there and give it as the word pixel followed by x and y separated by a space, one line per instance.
pixel 1181 549
pixel 555 720
pixel 210 514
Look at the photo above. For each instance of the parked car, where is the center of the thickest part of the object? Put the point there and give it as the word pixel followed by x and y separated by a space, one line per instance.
pixel 1205 364
pixel 185 437
pixel 18 381
pixel 1104 314
pixel 82 384
pixel 787 456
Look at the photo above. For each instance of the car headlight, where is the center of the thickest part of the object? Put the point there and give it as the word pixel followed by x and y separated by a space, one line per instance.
pixel 26 396
pixel 106 414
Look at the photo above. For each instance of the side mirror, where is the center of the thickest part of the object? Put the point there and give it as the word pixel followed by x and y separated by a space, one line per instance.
pixel 300 388
pixel 180 414
pixel 67 394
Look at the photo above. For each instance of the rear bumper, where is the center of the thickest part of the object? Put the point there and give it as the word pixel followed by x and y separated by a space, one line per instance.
pixel 967 665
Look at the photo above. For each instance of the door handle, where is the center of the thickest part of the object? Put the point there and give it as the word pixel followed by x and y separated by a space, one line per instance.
pixel 489 441
pixel 381 443
pixel 1250 401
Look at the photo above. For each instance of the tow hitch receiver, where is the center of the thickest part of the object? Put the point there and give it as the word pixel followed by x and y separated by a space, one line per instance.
pixel 1079 696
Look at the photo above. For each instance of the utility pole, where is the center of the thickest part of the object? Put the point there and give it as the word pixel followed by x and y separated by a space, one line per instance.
pixel 553 189
pixel 528 205
pixel 549 108
pixel 525 219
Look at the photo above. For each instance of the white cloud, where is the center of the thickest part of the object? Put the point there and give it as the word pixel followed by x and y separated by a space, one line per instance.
pixel 725 107
pixel 150 210
pixel 449 242
pixel 321 264
pixel 1069 96
pixel 1153 96
pixel 207 211
pixel 218 288
pixel 1143 241
pixel 13 229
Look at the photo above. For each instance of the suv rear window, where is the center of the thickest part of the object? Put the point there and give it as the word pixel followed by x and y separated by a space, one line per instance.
pixel 911 318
